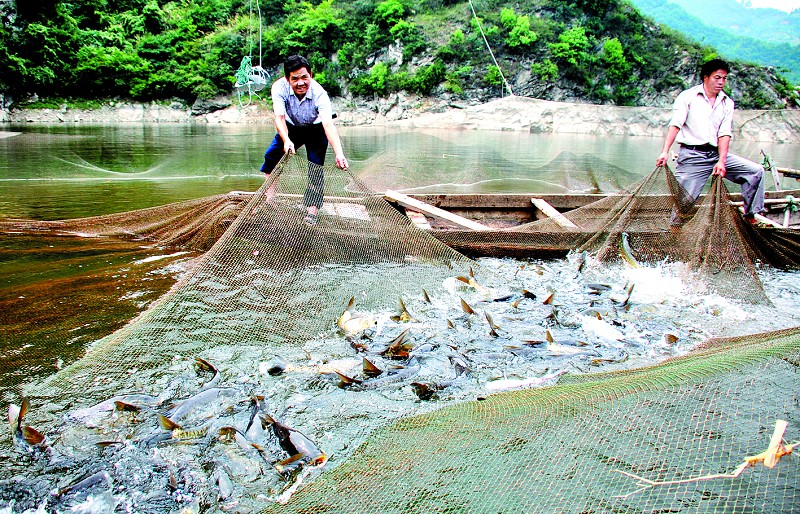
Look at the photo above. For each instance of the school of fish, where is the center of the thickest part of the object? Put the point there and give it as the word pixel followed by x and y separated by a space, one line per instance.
pixel 233 436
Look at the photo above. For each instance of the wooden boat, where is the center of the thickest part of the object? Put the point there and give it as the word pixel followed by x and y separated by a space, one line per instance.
pixel 482 224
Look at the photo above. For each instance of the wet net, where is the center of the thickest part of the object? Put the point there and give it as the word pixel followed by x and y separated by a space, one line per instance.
pixel 277 372
pixel 650 222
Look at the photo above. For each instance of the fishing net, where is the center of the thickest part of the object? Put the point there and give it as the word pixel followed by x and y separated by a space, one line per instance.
pixel 650 222
pixel 273 282
pixel 568 448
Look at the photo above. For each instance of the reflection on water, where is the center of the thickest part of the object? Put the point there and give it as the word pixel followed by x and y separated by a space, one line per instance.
pixel 64 171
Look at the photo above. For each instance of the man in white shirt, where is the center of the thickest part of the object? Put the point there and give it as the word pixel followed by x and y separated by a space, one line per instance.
pixel 303 116
pixel 702 124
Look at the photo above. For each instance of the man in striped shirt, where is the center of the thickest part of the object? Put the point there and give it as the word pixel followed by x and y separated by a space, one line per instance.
pixel 303 116
pixel 702 124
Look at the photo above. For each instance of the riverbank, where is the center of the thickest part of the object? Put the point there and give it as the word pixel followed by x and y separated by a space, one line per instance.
pixel 506 114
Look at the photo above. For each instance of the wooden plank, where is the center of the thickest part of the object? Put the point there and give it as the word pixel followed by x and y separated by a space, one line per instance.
pixel 407 201
pixel 418 219
pixel 551 212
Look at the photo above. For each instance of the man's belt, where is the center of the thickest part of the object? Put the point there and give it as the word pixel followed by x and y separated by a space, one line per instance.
pixel 700 148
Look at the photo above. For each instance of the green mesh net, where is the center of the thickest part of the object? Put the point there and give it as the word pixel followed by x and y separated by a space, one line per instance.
pixel 231 351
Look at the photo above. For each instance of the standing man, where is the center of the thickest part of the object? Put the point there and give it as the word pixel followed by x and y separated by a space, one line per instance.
pixel 303 116
pixel 702 124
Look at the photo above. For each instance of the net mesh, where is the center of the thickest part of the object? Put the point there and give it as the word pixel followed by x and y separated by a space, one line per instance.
pixel 271 283
pixel 652 221
pixel 562 449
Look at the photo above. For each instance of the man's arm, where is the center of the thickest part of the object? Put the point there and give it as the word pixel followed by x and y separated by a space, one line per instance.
pixel 672 133
pixel 333 138
pixel 723 142
pixel 283 131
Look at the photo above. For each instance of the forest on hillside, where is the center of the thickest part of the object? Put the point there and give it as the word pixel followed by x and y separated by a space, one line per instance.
pixel 600 51
pixel 771 41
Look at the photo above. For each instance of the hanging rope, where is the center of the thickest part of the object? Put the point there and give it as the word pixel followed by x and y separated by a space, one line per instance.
pixel 251 79
pixel 478 22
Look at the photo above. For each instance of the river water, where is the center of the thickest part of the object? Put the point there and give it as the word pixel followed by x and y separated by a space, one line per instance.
pixel 56 172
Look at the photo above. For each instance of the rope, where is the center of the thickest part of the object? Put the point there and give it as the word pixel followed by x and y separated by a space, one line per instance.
pixel 478 21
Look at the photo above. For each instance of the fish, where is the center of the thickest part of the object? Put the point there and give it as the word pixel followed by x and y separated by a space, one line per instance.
pixel 397 349
pixel 295 443
pixel 345 381
pixel 203 365
pixel 92 415
pixel 505 384
pixel 404 316
pixel 471 282
pixel 354 325
pixel 86 483
pixel 178 433
pixel 426 391
pixel 459 364
pixel 277 366
pixel 626 253
pixel 199 401
pixel 23 436
pixel 599 329
pixel 625 299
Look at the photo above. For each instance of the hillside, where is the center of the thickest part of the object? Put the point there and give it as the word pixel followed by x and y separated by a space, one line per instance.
pixel 587 51
pixel 764 36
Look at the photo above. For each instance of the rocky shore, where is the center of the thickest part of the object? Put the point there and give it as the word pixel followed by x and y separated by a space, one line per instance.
pixel 510 113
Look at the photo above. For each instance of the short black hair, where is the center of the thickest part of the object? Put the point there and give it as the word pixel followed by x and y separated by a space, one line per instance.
pixel 713 65
pixel 294 63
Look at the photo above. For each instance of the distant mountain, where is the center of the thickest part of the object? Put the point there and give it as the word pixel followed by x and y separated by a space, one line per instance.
pixel 770 25
pixel 767 37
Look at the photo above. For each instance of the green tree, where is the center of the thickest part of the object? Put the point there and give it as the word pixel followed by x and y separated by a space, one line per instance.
pixel 614 59
pixel 571 46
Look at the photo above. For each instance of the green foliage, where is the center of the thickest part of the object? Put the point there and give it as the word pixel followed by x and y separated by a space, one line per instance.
pixel 546 70
pixel 493 76
pixel 158 49
pixel 614 59
pixel 571 46
pixel 521 35
pixel 390 11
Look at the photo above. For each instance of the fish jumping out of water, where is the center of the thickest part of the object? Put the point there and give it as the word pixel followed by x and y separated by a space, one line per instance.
pixel 24 436
pixel 625 251
pixel 297 445
pixel 354 325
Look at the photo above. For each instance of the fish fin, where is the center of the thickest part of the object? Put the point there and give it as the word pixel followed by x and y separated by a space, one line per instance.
pixel 32 436
pixel 425 296
pixel 24 407
pixel 471 273
pixel 204 365
pixel 548 336
pixel 347 381
pixel 106 444
pixel 463 279
pixel 516 303
pixel 549 299
pixel 281 466
pixel 370 369
pixel 168 424
pixel 450 324
pixel 266 420
pixel 466 307
pixel 125 407
pixel 528 294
